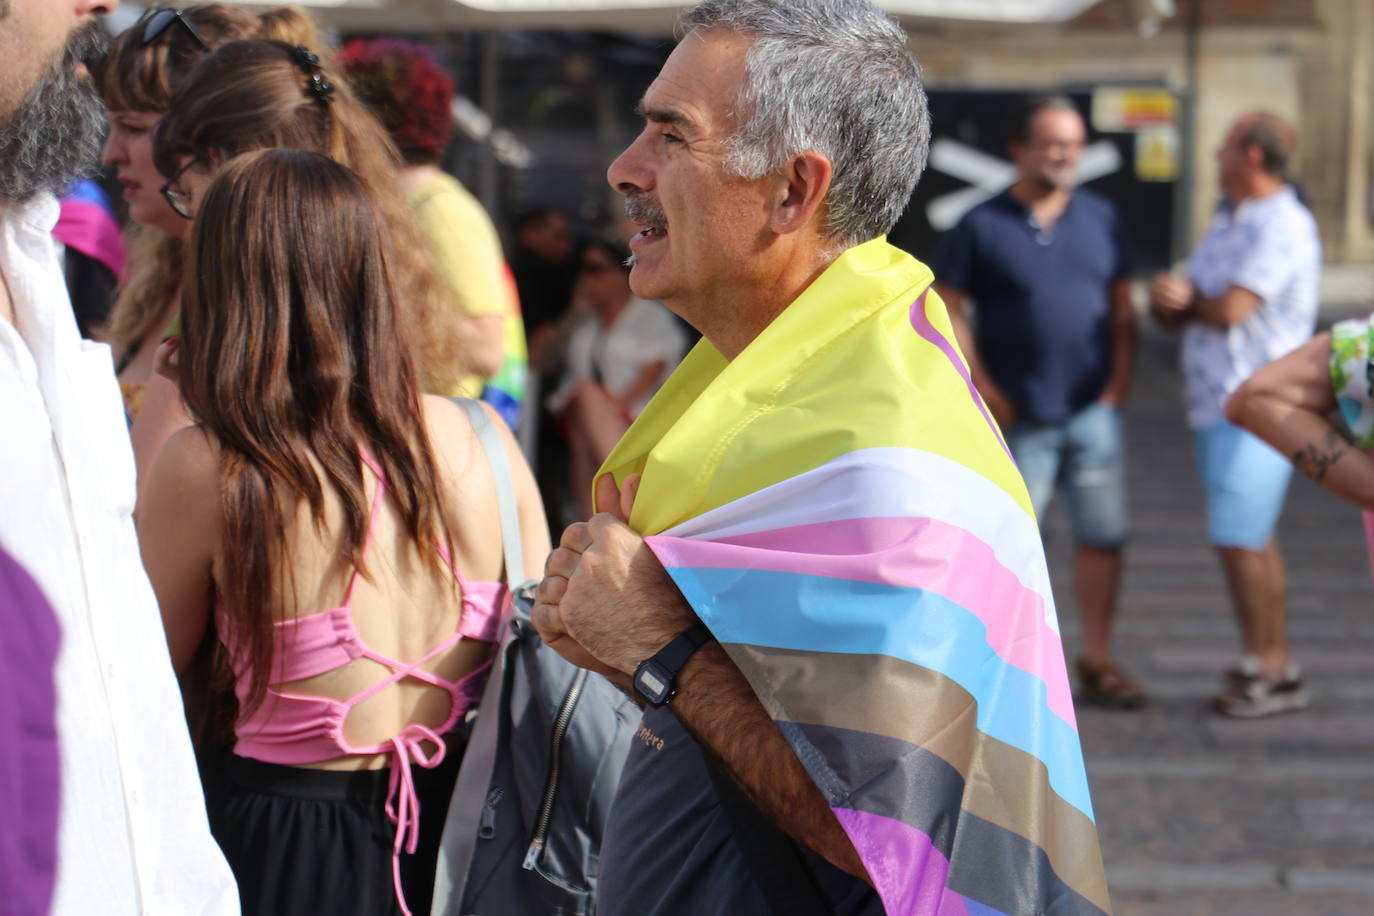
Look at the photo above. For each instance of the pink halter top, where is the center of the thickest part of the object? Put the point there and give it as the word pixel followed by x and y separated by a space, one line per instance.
pixel 293 728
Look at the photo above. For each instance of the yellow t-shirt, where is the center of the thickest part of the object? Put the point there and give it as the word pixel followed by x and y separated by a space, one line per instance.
pixel 468 251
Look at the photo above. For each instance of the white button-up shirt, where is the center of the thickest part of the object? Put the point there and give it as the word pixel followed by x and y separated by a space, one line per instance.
pixel 133 836
pixel 1268 245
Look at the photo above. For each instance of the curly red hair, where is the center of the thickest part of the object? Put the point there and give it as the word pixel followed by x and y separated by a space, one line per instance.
pixel 406 88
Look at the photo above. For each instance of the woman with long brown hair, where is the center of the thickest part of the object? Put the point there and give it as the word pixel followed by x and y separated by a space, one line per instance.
pixel 339 532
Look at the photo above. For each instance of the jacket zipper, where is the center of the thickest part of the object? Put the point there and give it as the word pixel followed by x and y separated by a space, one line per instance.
pixel 560 728
pixel 486 827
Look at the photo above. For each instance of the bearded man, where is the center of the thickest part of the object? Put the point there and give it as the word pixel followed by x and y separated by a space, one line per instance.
pixel 132 835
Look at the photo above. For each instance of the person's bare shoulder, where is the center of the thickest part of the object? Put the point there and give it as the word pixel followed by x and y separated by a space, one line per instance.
pixel 182 498
pixel 457 450
pixel 450 433
pixel 189 463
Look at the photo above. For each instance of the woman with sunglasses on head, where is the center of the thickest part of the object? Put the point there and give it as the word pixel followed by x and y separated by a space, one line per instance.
pixel 336 530
pixel 135 79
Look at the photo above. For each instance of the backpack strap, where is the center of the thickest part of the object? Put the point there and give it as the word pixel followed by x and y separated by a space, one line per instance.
pixel 773 858
pixel 505 491
pixel 479 759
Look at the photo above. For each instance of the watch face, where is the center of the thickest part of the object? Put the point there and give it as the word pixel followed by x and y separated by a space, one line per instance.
pixel 651 683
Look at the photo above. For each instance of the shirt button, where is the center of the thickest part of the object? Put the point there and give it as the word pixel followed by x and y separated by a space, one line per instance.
pixel 110 671
pixel 135 799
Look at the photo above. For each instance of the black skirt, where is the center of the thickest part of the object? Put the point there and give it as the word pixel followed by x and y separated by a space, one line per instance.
pixel 306 842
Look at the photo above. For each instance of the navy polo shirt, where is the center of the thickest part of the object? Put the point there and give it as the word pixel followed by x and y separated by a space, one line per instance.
pixel 670 849
pixel 1043 300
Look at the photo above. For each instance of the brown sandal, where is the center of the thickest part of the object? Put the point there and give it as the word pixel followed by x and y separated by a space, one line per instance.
pixel 1109 686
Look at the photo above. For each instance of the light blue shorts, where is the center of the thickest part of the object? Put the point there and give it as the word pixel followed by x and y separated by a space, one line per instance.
pixel 1084 457
pixel 1246 482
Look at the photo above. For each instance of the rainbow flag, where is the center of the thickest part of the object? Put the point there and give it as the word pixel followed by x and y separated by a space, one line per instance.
pixel 506 389
pixel 840 509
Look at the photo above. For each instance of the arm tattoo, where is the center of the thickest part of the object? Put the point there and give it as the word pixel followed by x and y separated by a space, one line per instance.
pixel 1316 458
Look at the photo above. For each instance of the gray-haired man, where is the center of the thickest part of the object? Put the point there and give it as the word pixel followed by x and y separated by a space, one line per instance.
pixel 1250 296
pixel 837 536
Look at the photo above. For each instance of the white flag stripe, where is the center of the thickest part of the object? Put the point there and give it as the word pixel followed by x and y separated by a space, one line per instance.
pixel 891 482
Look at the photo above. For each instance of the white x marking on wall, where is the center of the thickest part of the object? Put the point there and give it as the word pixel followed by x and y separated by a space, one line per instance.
pixel 990 176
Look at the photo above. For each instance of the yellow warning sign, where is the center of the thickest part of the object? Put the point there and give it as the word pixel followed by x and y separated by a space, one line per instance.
pixel 1116 110
pixel 1156 154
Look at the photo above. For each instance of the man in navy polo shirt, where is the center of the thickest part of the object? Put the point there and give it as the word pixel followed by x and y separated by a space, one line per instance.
pixel 1046 265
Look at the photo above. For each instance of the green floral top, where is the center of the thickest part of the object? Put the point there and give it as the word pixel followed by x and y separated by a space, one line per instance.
pixel 1352 377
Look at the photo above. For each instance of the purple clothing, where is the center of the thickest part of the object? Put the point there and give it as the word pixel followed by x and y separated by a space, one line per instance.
pixel 87 223
pixel 29 777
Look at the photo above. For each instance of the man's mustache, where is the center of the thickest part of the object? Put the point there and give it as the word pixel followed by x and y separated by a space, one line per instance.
pixel 641 208
pixel 86 46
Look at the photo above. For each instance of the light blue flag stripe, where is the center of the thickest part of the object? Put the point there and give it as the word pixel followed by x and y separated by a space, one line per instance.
pixel 804 613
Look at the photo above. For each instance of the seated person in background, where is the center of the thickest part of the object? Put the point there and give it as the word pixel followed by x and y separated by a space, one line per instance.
pixel 618 356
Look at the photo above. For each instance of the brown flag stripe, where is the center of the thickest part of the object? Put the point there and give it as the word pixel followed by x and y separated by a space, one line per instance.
pixel 878 694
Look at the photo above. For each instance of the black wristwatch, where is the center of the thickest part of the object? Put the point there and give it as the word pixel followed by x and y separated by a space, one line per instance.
pixel 656 677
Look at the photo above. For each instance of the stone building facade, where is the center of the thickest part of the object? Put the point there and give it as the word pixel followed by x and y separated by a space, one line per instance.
pixel 1311 61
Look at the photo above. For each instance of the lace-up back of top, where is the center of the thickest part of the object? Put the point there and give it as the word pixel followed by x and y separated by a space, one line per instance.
pixel 292 726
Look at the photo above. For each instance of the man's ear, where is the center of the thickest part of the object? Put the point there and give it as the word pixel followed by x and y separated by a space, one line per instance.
pixel 804 186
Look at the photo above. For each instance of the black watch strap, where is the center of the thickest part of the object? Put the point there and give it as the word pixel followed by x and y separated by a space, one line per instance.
pixel 674 655
pixel 663 667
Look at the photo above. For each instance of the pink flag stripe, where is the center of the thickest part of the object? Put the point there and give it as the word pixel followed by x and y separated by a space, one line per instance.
pixel 921 324
pixel 91 230
pixel 908 552
pixel 908 872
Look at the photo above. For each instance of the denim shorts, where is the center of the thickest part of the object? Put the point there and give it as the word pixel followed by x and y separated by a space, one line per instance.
pixel 1084 455
pixel 1246 482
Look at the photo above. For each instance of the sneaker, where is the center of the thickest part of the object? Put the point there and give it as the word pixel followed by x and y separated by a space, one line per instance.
pixel 1250 695
pixel 1242 672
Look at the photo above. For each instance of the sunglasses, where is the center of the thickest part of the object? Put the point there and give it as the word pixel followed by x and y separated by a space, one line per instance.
pixel 176 198
pixel 159 19
pixel 592 267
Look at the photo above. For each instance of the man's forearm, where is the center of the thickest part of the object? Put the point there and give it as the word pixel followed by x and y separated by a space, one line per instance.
pixel 1232 307
pixel 1123 347
pixel 716 704
pixel 1209 312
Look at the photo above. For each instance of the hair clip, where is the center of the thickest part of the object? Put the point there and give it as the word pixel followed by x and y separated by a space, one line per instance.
pixel 320 86
pixel 309 62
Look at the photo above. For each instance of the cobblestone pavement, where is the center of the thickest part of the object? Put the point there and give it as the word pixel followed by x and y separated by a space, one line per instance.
pixel 1201 815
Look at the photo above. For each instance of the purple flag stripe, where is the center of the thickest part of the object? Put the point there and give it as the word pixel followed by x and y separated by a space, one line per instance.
pixel 907 870
pixel 1011 843
pixel 923 327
